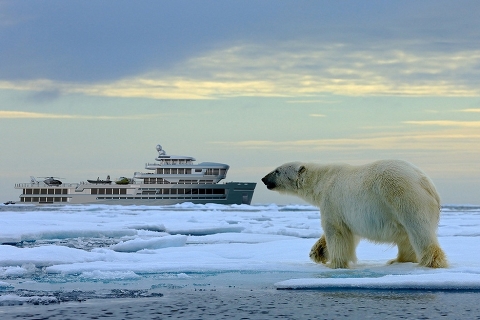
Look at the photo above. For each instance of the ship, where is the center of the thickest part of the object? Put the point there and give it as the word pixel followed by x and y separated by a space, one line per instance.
pixel 170 180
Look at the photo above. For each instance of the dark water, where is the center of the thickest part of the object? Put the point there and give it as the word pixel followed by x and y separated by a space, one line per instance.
pixel 233 303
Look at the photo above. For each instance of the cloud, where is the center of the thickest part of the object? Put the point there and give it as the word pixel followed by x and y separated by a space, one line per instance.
pixel 445 123
pixel 445 141
pixel 291 69
pixel 32 115
pixel 318 101
pixel 44 96
pixel 4 114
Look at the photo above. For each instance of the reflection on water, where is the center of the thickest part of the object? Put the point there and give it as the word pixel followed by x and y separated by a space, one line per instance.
pixel 381 295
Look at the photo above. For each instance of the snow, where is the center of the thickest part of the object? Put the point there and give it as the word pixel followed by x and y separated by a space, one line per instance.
pixel 144 244
pixel 139 244
pixel 436 281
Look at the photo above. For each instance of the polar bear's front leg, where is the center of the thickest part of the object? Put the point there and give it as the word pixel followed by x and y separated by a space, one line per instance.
pixel 341 245
pixel 319 252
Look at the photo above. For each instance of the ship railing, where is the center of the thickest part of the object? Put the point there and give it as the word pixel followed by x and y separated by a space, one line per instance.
pixel 170 163
pixel 63 185
pixel 193 174
pixel 112 182
pixel 43 185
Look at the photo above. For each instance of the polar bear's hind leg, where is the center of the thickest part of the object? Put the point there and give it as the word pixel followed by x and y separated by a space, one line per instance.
pixel 434 257
pixel 423 239
pixel 406 253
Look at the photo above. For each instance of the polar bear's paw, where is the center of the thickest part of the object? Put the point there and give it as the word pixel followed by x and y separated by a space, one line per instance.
pixel 434 257
pixel 319 252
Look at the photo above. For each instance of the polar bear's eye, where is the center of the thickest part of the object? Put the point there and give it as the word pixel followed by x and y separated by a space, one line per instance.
pixel 277 171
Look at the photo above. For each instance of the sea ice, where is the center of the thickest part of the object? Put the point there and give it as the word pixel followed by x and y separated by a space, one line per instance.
pixel 145 247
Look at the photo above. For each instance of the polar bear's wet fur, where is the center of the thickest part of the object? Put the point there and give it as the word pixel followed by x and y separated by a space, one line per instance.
pixel 388 201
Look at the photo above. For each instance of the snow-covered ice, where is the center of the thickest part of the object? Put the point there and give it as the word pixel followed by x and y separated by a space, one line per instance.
pixel 68 248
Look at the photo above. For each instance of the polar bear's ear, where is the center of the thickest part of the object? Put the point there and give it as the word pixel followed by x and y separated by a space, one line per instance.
pixel 301 169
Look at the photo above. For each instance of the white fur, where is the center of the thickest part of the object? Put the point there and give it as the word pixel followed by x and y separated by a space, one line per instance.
pixel 388 201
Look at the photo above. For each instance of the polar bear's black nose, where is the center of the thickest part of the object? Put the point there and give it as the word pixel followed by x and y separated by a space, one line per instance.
pixel 265 180
pixel 268 183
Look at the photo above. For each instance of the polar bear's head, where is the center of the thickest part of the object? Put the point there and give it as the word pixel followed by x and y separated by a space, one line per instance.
pixel 284 178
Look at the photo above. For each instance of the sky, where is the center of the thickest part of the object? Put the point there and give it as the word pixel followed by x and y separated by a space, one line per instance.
pixel 89 89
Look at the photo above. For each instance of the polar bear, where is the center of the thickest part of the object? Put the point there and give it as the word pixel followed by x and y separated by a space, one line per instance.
pixel 387 201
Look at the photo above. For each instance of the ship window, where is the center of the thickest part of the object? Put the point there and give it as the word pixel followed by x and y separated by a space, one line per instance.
pixel 43 191
pixel 58 191
pixel 28 191
pixel 65 191
pixel 123 191
pixel 218 191
pixel 201 191
pixel 27 199
pixel 101 191
pixel 93 191
pixel 188 171
pixel 198 170
pixel 49 199
pixel 35 199
pixel 64 199
pixel 51 191
pixel 36 191
pixel 213 172
pixel 108 191
pixel 188 181
pixel 181 171
pixel 116 191
pixel 57 199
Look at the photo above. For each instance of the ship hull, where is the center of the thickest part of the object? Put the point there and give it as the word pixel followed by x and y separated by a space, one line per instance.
pixel 137 194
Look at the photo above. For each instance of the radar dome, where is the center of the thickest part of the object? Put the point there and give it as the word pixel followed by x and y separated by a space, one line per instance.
pixel 161 152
